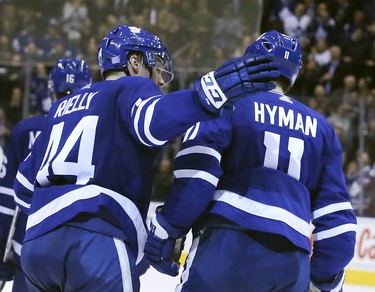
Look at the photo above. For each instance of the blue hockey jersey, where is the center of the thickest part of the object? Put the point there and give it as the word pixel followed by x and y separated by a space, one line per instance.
pixel 21 140
pixel 95 157
pixel 273 166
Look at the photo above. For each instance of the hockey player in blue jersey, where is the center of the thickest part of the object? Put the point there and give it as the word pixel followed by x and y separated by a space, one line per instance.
pixel 67 76
pixel 248 185
pixel 90 171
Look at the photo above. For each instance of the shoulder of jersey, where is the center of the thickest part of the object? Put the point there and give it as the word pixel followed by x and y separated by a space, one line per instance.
pixel 30 123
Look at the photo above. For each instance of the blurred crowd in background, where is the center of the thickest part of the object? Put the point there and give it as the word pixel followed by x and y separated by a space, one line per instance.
pixel 337 78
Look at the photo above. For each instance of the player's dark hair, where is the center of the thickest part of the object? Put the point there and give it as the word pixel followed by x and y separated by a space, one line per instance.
pixel 284 83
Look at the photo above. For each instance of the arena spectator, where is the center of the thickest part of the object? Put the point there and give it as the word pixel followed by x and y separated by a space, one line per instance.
pixel 320 52
pixel 310 75
pixel 356 48
pixel 74 19
pixel 15 106
pixel 296 22
pixel 332 73
pixel 323 25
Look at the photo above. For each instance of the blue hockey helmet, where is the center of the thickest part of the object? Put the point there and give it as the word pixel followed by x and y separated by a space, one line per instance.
pixel 68 75
pixel 287 51
pixel 115 47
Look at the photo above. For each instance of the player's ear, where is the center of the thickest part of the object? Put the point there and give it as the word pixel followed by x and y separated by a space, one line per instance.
pixel 134 64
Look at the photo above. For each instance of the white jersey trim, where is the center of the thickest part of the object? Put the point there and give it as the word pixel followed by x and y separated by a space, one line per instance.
pixel 335 231
pixel 331 208
pixel 193 173
pixel 147 121
pixel 148 118
pixel 140 105
pixel 17 247
pixel 124 265
pixel 192 132
pixel 200 150
pixel 23 181
pixel 6 211
pixel 263 210
pixel 87 192
pixel 7 191
pixel 21 203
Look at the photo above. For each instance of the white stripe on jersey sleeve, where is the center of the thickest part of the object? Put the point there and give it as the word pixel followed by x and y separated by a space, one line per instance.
pixel 23 181
pixel 6 211
pixel 331 208
pixel 335 231
pixel 200 150
pixel 21 202
pixel 192 132
pixel 147 122
pixel 140 104
pixel 194 173
pixel 7 191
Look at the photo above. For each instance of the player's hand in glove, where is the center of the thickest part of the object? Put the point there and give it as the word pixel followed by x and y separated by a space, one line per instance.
pixel 335 285
pixel 163 244
pixel 237 78
pixel 6 269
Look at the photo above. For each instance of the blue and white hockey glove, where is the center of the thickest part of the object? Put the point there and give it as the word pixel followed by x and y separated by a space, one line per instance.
pixel 336 285
pixel 236 78
pixel 162 245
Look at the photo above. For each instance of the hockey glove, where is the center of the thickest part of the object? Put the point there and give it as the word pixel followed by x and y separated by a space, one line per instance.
pixel 236 78
pixel 161 247
pixel 6 269
pixel 335 285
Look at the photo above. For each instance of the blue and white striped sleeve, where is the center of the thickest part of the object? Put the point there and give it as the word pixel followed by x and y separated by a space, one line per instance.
pixel 334 220
pixel 159 119
pixel 143 112
pixel 197 172
pixel 24 182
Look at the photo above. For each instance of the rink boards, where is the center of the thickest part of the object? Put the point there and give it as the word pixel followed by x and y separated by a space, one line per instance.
pixel 361 269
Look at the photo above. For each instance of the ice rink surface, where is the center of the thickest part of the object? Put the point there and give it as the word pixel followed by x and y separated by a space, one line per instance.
pixel 153 281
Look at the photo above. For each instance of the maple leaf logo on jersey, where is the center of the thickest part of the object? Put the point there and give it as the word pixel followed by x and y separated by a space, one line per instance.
pixel 285 98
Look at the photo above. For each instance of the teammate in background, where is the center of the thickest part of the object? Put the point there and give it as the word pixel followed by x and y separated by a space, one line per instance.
pixel 249 184
pixel 90 171
pixel 67 76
